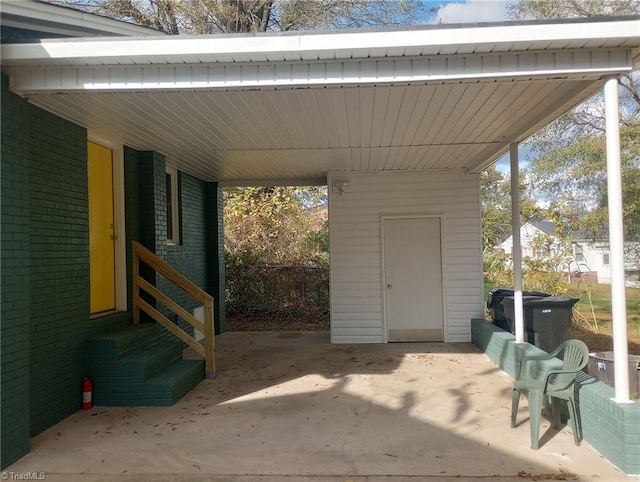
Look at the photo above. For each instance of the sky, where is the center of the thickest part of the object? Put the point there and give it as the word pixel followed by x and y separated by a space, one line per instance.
pixel 469 11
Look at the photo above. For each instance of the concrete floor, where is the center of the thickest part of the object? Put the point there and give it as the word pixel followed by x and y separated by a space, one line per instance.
pixel 291 406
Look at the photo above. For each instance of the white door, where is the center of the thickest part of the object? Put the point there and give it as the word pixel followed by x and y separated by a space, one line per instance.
pixel 413 279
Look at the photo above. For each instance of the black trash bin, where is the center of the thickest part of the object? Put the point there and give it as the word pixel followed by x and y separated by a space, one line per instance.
pixel 496 310
pixel 545 319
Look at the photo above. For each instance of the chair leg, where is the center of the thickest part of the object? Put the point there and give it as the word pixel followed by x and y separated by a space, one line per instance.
pixel 575 421
pixel 535 409
pixel 515 401
pixel 556 410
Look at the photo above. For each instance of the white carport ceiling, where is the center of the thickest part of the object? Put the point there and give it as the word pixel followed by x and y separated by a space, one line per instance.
pixel 290 108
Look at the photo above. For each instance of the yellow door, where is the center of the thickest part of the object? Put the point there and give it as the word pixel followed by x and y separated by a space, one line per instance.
pixel 101 229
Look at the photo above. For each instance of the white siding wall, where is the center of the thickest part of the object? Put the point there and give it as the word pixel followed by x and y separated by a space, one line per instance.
pixel 594 261
pixel 355 243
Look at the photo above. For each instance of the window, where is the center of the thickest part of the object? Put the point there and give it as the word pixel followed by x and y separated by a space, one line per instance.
pixel 605 259
pixel 578 253
pixel 173 214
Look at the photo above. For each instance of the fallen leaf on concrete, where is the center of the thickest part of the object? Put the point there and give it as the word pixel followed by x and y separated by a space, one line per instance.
pixel 563 475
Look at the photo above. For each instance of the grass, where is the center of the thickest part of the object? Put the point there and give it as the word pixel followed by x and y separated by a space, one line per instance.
pixel 592 320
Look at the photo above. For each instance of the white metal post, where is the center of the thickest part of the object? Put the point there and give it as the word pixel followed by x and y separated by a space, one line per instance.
pixel 616 241
pixel 517 244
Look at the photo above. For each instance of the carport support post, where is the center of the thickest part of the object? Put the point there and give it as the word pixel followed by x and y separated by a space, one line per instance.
pixel 517 245
pixel 616 241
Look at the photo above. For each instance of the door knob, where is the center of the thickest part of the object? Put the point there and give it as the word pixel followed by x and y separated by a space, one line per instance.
pixel 389 286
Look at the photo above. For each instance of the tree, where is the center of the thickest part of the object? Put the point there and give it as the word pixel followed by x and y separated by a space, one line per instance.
pixel 245 16
pixel 557 9
pixel 495 195
pixel 275 226
pixel 568 162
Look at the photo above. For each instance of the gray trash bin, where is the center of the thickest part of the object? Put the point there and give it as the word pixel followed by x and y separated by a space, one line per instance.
pixel 545 319
pixel 496 309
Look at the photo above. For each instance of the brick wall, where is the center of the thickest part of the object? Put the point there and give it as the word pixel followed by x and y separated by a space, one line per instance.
pixel 15 284
pixel 611 428
pixel 59 258
pixel 45 270
pixel 152 202
pixel 215 258
pixel 190 256
pixel 198 256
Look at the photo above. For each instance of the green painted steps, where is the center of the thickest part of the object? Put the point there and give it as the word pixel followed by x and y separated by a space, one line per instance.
pixel 136 366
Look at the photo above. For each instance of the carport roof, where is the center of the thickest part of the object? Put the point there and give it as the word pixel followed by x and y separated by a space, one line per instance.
pixel 288 108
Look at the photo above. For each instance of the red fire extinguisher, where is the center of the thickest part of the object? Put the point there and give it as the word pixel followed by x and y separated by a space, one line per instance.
pixel 87 394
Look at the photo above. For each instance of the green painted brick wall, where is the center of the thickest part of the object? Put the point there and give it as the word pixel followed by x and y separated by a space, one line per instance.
pixel 59 260
pixel 215 257
pixel 189 257
pixel 198 254
pixel 152 192
pixel 14 279
pixel 45 277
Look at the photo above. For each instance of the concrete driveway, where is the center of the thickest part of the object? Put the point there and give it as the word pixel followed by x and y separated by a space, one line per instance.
pixel 291 406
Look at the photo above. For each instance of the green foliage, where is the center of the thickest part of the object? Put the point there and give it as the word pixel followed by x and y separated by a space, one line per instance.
pixel 276 244
pixel 275 226
pixel 573 173
pixel 281 290
pixel 495 192
pixel 537 275
pixel 547 273
pixel 495 262
pixel 496 207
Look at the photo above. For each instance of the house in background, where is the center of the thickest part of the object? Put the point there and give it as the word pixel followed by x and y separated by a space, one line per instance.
pixel 538 241
pixel 589 261
pixel 398 123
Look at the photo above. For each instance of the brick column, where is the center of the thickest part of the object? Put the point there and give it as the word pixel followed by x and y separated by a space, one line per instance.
pixel 215 252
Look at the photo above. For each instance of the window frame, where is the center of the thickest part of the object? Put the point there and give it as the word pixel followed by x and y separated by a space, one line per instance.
pixel 173 206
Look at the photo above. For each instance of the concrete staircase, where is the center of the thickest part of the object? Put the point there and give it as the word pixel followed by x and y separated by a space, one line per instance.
pixel 135 366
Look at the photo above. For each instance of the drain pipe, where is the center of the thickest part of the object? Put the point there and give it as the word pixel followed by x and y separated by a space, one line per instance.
pixel 517 244
pixel 616 241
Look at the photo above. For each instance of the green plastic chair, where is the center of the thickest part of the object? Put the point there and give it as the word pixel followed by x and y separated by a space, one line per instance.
pixel 558 384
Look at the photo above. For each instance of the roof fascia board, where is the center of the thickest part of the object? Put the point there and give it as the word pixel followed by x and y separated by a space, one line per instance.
pixel 472 68
pixel 66 21
pixel 339 45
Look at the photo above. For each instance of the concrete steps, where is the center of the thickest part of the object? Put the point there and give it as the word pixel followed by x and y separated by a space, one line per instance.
pixel 135 366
